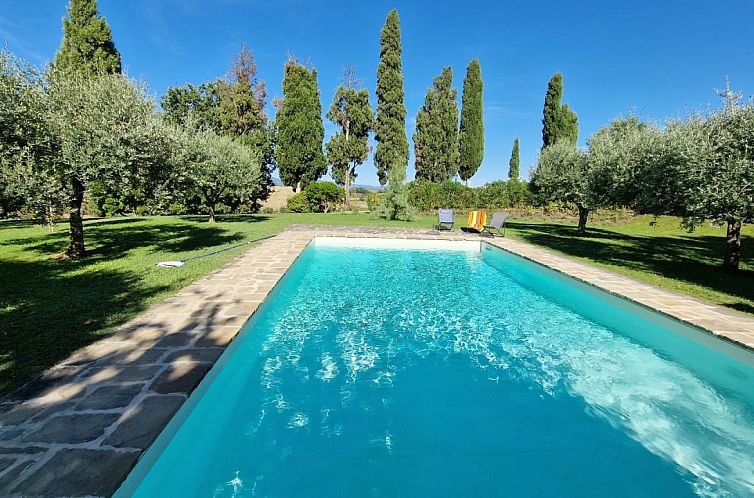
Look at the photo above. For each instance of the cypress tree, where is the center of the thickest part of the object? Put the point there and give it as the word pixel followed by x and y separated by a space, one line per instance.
pixel 390 127
pixel 471 135
pixel 515 162
pixel 551 112
pixel 299 126
pixel 87 41
pixel 436 136
pixel 558 121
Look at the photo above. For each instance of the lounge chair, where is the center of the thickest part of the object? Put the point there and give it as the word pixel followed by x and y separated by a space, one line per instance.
pixel 497 224
pixel 475 222
pixel 444 219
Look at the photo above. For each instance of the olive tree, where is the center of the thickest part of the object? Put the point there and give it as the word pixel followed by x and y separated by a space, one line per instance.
pixel 25 143
pixel 703 170
pixel 562 175
pixel 105 129
pixel 219 167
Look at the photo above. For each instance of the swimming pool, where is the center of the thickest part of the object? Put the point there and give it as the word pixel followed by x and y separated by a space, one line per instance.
pixel 456 372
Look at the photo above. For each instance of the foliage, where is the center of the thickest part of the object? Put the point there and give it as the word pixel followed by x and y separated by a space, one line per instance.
pixel 106 130
pixel 436 136
pixel 26 147
pixel 242 97
pixel 394 201
pixel 515 162
pixel 373 200
pixel 390 126
pixel 112 206
pixel 471 134
pixel 616 154
pixel 348 147
pixel 242 116
pixel 428 196
pixel 561 175
pixel 299 128
pixel 703 169
pixel 297 203
pixel 220 168
pixel 558 121
pixel 87 41
pixel 192 105
pixel 323 197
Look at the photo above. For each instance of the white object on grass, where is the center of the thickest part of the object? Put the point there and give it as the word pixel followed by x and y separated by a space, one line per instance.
pixel 171 264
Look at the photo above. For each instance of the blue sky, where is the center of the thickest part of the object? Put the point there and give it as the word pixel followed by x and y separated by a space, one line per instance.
pixel 656 57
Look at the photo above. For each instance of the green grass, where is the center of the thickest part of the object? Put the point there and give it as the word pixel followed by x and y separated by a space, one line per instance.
pixel 49 307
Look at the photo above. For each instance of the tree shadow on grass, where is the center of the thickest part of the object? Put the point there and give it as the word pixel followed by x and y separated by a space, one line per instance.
pixel 227 218
pixel 694 259
pixel 115 238
pixel 51 307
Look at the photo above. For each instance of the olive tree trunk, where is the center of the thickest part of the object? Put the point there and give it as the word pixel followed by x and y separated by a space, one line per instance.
pixel 733 245
pixel 583 215
pixel 76 232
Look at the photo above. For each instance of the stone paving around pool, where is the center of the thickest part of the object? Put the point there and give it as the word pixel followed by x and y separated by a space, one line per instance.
pixel 80 428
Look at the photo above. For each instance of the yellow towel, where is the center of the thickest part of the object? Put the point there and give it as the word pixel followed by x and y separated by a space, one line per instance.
pixel 477 220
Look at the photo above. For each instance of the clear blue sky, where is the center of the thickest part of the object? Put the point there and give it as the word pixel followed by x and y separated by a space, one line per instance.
pixel 657 57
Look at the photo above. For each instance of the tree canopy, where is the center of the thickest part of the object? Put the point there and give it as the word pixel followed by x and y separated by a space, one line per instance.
pixel 390 127
pixel 300 132
pixel 471 134
pixel 559 122
pixel 87 41
pixel 436 136
pixel 515 161
pixel 348 147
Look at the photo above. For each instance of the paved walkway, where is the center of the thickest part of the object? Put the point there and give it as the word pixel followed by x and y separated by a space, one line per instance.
pixel 79 429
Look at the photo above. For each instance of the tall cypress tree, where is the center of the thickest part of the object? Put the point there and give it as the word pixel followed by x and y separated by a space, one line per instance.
pixel 515 162
pixel 471 135
pixel 300 131
pixel 558 121
pixel 390 127
pixel 87 41
pixel 436 136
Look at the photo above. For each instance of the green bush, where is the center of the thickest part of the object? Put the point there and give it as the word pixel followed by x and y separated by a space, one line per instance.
pixel 267 210
pixel 323 197
pixel 428 196
pixel 177 208
pixel 373 200
pixel 297 203
pixel 112 206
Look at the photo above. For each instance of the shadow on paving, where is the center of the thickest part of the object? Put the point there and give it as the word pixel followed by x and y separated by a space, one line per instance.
pixel 694 259
pixel 51 307
pixel 140 386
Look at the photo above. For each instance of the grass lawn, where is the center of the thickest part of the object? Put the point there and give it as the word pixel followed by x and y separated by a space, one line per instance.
pixel 49 307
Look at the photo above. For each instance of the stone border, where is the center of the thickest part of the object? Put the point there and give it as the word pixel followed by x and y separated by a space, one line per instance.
pixel 79 429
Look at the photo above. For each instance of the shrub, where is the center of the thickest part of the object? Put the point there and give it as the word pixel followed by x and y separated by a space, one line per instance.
pixel 323 196
pixel 394 203
pixel 428 196
pixel 373 200
pixel 112 206
pixel 494 195
pixel 297 203
pixel 267 210
pixel 177 208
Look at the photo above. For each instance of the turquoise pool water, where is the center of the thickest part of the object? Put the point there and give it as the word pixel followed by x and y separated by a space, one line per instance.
pixel 450 373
